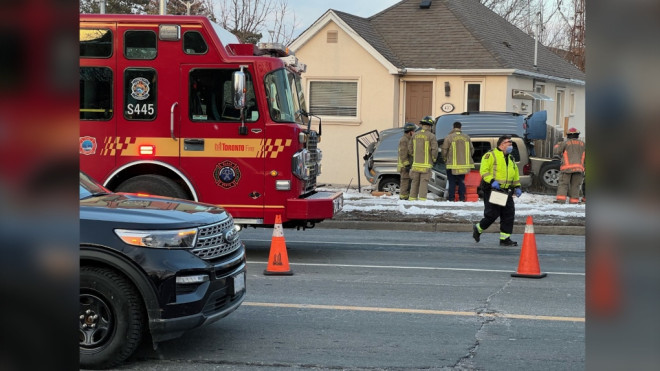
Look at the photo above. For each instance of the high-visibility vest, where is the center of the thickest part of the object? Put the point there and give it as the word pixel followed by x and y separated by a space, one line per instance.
pixel 458 150
pixel 424 149
pixel 494 166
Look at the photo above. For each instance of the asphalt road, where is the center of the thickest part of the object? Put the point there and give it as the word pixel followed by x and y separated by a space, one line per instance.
pixel 371 300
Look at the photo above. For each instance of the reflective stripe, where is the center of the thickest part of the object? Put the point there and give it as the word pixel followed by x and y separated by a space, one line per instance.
pixel 504 236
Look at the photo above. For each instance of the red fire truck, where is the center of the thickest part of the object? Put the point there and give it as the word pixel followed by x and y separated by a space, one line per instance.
pixel 175 106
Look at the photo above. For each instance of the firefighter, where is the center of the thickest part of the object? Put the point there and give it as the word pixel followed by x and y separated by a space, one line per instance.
pixel 499 171
pixel 571 170
pixel 457 150
pixel 405 160
pixel 423 148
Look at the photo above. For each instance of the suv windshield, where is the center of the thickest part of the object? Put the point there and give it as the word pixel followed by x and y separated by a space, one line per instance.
pixel 89 187
pixel 285 96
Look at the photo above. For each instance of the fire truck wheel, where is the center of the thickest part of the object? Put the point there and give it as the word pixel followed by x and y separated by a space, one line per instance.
pixel 152 184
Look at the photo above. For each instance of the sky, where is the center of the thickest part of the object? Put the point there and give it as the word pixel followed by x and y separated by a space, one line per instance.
pixel 308 11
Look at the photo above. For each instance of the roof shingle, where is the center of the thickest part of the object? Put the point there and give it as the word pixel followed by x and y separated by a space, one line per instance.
pixel 454 34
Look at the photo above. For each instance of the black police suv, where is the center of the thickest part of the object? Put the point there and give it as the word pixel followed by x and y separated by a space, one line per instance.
pixel 151 265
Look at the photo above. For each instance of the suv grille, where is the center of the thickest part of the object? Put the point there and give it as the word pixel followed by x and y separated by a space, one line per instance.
pixel 211 242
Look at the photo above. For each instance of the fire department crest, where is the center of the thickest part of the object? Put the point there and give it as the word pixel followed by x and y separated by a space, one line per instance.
pixel 87 145
pixel 140 88
pixel 226 174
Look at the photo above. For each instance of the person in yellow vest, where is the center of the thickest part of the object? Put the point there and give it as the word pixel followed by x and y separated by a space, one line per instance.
pixel 457 150
pixel 571 170
pixel 405 160
pixel 499 172
pixel 423 148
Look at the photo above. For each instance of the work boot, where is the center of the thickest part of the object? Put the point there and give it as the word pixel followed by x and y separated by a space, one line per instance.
pixel 475 233
pixel 508 242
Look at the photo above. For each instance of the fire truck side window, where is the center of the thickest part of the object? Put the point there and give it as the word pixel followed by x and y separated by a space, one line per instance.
pixel 96 93
pixel 140 45
pixel 140 93
pixel 193 43
pixel 95 43
pixel 210 98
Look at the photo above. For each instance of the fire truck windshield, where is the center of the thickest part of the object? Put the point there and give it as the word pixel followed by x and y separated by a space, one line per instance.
pixel 285 96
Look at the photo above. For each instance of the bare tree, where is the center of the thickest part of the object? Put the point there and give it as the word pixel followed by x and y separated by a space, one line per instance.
pixel 283 32
pixel 180 7
pixel 249 20
pixel 115 6
pixel 559 24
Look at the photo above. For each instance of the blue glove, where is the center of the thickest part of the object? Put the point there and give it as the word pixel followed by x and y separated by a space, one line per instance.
pixel 495 184
pixel 518 192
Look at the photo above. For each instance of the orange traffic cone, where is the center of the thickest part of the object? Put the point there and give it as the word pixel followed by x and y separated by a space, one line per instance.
pixel 529 260
pixel 278 260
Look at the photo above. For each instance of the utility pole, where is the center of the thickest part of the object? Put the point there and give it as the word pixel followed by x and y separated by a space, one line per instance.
pixel 163 7
pixel 536 39
pixel 102 6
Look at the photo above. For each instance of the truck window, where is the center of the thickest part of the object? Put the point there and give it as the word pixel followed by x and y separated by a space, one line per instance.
pixel 96 93
pixel 140 45
pixel 283 93
pixel 95 43
pixel 210 98
pixel 140 93
pixel 194 43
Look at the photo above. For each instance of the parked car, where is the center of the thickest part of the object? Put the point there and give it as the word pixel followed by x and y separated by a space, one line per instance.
pixel 151 265
pixel 484 129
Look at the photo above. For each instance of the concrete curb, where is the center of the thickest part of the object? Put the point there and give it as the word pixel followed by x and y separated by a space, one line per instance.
pixel 446 227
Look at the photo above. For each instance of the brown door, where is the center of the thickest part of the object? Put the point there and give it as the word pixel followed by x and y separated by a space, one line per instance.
pixel 418 101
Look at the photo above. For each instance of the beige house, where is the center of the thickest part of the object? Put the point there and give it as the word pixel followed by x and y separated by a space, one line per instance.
pixel 422 57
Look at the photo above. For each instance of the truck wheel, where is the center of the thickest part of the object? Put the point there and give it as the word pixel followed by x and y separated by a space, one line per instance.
pixel 549 175
pixel 389 184
pixel 152 184
pixel 110 319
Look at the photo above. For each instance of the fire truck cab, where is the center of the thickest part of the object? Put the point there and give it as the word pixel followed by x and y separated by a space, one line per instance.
pixel 175 106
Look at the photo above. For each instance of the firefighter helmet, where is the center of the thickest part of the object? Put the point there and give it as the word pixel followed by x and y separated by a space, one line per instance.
pixel 428 120
pixel 573 131
pixel 408 127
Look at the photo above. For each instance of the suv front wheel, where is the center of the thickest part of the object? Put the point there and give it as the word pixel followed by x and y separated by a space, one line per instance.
pixel 389 184
pixel 110 318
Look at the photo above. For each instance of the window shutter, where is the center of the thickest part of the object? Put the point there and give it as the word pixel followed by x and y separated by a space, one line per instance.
pixel 333 98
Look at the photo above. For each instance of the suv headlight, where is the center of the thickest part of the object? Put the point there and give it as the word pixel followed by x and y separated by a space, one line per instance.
pixel 174 239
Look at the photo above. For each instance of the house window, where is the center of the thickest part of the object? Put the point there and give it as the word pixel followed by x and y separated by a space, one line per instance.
pixel 559 115
pixel 539 105
pixel 571 103
pixel 473 97
pixel 332 37
pixel 333 98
